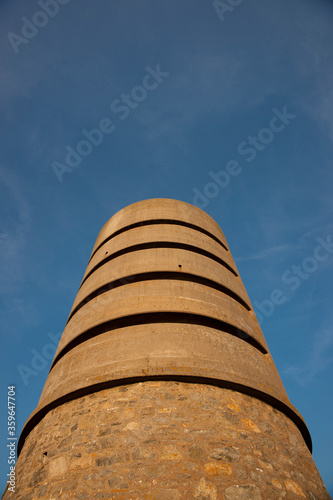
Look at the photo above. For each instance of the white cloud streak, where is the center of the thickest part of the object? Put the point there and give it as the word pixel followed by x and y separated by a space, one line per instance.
pixel 321 357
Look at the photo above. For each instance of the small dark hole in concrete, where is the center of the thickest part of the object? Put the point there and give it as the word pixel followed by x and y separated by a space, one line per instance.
pixel 179 265
pixel 45 453
pixel 106 253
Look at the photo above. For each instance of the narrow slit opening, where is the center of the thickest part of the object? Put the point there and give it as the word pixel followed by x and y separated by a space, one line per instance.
pixel 161 275
pixel 159 244
pixel 158 222
pixel 158 317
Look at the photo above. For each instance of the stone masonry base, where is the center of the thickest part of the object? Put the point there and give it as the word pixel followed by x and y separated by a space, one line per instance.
pixel 165 440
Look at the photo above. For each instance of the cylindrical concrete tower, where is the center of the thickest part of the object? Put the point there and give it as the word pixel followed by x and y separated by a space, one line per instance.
pixel 162 386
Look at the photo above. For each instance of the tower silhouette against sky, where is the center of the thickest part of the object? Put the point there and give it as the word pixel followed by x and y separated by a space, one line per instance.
pixel 162 386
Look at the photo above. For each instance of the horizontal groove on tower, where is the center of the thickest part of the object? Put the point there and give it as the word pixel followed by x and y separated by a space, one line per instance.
pixel 159 317
pixel 158 222
pixel 160 275
pixel 271 400
pixel 159 244
pixel 160 300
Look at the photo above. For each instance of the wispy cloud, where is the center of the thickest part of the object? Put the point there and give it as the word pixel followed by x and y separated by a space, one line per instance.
pixel 194 88
pixel 265 253
pixel 321 357
pixel 18 224
pixel 289 250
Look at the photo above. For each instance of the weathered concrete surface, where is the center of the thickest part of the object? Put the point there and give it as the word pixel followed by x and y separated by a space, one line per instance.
pixel 160 260
pixel 157 209
pixel 161 296
pixel 174 349
pixel 167 441
pixel 167 233
pixel 200 330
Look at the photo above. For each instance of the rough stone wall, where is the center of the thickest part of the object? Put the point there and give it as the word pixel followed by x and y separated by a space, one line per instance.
pixel 162 297
pixel 166 441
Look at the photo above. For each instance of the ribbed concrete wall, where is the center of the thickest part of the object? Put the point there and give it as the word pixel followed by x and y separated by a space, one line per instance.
pixel 162 319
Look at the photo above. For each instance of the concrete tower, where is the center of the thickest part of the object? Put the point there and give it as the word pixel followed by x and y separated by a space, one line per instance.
pixel 162 386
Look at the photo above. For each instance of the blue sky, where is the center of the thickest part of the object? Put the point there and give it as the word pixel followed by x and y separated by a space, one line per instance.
pixel 232 111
